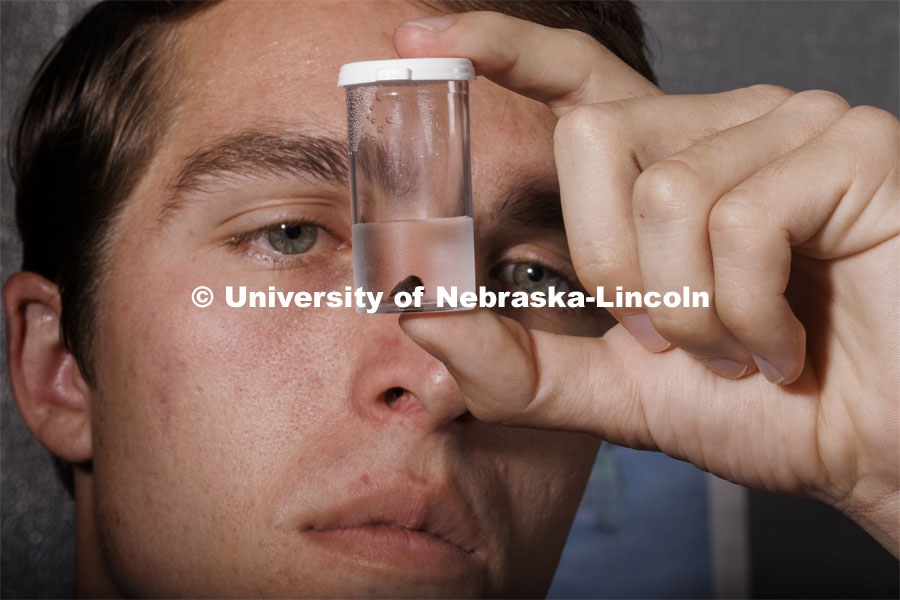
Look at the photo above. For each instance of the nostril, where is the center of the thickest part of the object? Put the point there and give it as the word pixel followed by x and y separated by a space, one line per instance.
pixel 393 394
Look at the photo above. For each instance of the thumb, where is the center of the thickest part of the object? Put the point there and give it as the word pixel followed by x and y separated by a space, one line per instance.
pixel 516 376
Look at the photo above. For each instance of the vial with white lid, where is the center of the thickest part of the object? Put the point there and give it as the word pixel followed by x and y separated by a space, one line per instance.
pixel 408 130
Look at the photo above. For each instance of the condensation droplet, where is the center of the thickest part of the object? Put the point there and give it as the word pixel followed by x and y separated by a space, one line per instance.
pixel 381 129
pixel 388 120
pixel 377 98
pixel 372 120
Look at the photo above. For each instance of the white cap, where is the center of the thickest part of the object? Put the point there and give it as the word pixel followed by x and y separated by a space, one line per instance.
pixel 406 69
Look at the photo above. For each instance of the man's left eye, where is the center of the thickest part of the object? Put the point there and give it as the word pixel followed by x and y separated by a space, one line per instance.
pixel 292 238
pixel 532 277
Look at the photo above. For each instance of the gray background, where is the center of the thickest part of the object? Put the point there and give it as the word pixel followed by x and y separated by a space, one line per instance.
pixel 847 47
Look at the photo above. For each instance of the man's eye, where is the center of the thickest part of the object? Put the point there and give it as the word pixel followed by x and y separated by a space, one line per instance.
pixel 286 240
pixel 532 277
pixel 292 238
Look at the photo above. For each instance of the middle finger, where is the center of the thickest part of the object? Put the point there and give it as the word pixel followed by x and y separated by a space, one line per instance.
pixel 672 203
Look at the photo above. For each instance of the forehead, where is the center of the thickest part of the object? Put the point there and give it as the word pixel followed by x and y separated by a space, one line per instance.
pixel 275 64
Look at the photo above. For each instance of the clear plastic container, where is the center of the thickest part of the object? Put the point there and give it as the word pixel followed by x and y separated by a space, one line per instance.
pixel 408 130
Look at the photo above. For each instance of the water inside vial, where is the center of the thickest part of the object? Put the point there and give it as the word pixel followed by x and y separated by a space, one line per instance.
pixel 389 255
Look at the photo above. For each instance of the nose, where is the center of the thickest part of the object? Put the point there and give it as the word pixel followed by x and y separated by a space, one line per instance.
pixel 394 379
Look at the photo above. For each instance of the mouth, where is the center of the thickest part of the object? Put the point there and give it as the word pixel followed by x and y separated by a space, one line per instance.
pixel 398 528
pixel 396 533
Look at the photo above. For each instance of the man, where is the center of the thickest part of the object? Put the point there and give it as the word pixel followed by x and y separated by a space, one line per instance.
pixel 321 452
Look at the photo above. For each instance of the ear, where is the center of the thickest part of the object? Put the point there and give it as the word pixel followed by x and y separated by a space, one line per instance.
pixel 50 392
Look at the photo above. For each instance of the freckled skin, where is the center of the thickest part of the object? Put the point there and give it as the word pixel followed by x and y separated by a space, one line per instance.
pixel 217 431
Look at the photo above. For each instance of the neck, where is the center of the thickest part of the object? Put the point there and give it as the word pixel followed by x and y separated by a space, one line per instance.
pixel 92 578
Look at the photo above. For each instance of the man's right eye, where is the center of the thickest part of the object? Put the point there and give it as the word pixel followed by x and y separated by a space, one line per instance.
pixel 295 238
pixel 286 239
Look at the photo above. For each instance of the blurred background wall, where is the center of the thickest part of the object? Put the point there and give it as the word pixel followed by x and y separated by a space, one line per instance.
pixel 650 526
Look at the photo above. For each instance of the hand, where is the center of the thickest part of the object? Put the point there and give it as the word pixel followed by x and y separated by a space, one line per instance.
pixel 758 196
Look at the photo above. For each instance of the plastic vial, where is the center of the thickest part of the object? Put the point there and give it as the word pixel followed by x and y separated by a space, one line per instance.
pixel 411 186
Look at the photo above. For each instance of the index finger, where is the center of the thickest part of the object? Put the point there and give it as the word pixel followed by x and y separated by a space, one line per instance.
pixel 562 68
pixel 565 68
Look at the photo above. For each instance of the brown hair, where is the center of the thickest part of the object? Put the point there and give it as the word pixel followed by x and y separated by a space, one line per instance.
pixel 93 117
pixel 100 103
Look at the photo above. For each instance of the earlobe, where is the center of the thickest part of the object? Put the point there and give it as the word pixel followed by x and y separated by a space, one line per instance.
pixel 50 392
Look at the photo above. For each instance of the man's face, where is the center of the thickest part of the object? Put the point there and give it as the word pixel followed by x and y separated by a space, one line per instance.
pixel 257 452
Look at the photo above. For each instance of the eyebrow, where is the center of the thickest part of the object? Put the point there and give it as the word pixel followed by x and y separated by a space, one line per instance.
pixel 392 170
pixel 532 205
pixel 259 154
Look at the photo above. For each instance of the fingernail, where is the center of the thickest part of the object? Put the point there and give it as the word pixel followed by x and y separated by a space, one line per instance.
pixel 766 368
pixel 430 23
pixel 726 367
pixel 639 326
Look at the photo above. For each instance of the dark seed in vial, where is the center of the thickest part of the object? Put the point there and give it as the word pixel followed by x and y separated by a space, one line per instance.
pixel 408 285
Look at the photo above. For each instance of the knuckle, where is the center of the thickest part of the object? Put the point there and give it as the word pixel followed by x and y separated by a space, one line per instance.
pixel 873 114
pixel 747 316
pixel 871 119
pixel 873 132
pixel 666 189
pixel 774 94
pixel 737 314
pixel 828 106
pixel 586 124
pixel 597 263
pixel 736 304
pixel 586 40
pixel 738 211
pixel 685 327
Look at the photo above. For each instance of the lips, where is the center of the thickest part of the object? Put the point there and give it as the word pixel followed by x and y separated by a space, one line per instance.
pixel 400 525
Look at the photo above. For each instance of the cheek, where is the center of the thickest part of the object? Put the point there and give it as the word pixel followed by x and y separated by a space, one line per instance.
pixel 174 368
pixel 198 411
pixel 542 476
pixel 547 474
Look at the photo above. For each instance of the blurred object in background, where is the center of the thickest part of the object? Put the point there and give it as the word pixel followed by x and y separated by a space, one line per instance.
pixel 605 499
pixel 642 531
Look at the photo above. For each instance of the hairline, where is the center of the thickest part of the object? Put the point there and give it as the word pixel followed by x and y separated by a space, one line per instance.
pixel 169 89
